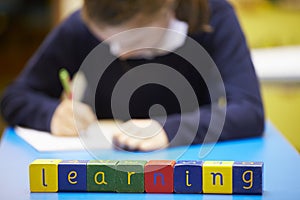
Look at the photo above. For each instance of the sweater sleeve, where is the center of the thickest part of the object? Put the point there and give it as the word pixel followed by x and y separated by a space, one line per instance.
pixel 244 111
pixel 32 98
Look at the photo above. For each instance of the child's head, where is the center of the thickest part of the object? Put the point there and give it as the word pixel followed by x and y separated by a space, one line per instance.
pixel 109 17
pixel 118 12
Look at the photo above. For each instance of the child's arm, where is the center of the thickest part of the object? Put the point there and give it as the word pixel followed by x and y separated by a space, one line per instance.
pixel 245 115
pixel 228 48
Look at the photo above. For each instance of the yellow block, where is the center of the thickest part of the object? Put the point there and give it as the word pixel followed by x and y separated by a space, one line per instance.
pixel 43 174
pixel 217 177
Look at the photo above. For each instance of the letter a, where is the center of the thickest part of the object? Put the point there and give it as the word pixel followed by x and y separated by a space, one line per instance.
pixel 102 178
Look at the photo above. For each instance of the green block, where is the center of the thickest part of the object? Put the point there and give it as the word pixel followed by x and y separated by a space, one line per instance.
pixel 130 176
pixel 101 175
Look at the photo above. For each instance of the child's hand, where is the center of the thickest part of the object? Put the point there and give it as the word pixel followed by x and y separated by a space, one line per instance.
pixel 142 135
pixel 64 123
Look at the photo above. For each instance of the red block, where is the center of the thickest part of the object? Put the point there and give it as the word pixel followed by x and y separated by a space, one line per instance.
pixel 159 176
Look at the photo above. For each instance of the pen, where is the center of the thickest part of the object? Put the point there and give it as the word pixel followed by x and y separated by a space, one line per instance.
pixel 65 81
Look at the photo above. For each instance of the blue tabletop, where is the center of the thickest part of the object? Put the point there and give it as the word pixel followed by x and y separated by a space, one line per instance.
pixel 281 167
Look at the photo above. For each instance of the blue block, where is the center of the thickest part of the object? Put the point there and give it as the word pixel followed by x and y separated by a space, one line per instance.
pixel 247 177
pixel 188 176
pixel 72 175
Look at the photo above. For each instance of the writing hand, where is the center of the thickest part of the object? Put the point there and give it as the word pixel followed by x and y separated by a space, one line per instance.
pixel 64 123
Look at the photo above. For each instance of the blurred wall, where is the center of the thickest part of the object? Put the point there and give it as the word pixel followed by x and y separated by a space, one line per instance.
pixel 23 26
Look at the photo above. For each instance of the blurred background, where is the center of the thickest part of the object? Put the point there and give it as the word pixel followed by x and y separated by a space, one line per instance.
pixel 272 28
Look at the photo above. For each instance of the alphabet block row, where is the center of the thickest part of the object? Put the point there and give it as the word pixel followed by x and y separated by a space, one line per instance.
pixel 138 176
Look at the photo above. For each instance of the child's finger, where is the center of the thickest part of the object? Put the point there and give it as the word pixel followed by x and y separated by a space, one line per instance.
pixel 126 142
pixel 67 129
pixel 117 140
pixel 132 143
pixel 146 146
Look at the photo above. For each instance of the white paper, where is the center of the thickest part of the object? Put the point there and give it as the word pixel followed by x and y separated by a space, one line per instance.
pixel 97 136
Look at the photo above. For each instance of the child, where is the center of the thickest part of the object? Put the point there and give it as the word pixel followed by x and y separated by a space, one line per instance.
pixel 33 100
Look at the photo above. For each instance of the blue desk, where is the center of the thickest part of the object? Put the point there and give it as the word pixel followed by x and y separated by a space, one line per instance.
pixel 281 170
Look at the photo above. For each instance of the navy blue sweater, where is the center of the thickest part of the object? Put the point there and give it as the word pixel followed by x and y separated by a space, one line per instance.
pixel 32 98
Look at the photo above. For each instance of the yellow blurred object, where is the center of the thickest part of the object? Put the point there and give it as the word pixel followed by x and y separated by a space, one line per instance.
pixel 282 106
pixel 63 8
pixel 67 7
pixel 269 24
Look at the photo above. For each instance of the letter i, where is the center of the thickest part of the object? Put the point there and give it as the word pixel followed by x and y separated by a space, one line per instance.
pixel 187 178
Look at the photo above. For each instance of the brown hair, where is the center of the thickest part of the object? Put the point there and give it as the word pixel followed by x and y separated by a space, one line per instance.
pixel 116 12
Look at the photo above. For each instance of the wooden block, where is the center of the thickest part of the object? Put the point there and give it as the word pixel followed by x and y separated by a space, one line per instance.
pixel 101 175
pixel 188 176
pixel 72 175
pixel 43 174
pixel 159 176
pixel 247 177
pixel 217 177
pixel 130 176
